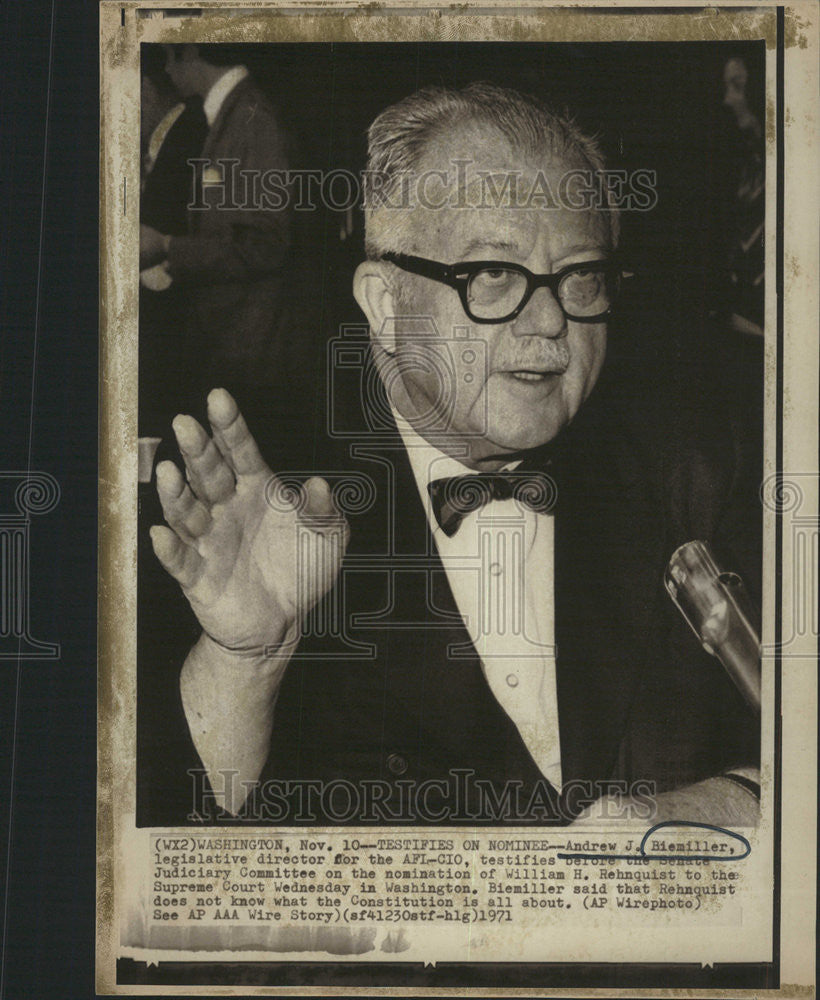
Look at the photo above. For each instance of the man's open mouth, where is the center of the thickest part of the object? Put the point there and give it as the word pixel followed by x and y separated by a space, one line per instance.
pixel 532 375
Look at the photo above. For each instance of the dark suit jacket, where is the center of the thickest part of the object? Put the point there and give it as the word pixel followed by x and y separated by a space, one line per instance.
pixel 169 187
pixel 233 259
pixel 164 200
pixel 400 697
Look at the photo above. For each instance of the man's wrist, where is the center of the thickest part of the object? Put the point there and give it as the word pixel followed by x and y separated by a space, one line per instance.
pixel 747 778
pixel 229 698
pixel 271 653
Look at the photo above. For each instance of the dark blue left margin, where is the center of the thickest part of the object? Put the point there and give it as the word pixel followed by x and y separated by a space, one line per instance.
pixel 49 209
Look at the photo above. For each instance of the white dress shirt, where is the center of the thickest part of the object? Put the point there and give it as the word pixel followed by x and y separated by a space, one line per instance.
pixel 499 565
pixel 159 135
pixel 215 97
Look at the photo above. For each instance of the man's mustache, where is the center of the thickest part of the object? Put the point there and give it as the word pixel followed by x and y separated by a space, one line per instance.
pixel 539 355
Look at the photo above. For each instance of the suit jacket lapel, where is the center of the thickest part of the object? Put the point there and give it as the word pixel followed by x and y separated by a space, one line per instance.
pixel 215 132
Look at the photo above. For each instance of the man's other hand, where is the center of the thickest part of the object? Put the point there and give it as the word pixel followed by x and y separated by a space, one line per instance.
pixel 153 247
pixel 716 801
pixel 251 558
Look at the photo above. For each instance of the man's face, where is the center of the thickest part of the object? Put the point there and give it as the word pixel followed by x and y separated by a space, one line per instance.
pixel 735 78
pixel 527 377
pixel 179 69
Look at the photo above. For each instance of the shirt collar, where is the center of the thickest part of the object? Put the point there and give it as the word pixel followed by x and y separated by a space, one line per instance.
pixel 220 90
pixel 429 463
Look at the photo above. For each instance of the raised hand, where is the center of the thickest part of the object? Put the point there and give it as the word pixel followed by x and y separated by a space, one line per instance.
pixel 250 567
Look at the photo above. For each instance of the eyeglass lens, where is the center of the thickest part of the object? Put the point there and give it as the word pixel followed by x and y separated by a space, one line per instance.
pixel 496 292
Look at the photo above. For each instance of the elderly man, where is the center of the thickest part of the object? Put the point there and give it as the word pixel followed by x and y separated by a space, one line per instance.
pixel 504 651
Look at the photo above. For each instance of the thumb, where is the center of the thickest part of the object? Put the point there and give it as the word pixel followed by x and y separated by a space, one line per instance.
pixel 319 510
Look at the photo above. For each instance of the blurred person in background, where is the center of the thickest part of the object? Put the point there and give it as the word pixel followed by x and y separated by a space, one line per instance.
pixel 742 96
pixel 231 262
pixel 172 132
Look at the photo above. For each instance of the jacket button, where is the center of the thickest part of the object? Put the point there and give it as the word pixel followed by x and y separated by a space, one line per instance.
pixel 396 763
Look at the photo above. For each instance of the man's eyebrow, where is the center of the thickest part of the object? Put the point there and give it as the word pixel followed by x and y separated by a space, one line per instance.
pixel 587 247
pixel 490 244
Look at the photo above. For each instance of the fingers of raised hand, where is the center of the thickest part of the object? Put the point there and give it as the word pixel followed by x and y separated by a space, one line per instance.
pixel 232 436
pixel 187 515
pixel 210 476
pixel 182 561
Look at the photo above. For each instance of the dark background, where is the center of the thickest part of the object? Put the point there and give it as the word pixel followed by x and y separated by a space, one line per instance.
pixel 653 106
pixel 656 106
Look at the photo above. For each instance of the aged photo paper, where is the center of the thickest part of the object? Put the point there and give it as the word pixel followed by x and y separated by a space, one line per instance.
pixel 458 499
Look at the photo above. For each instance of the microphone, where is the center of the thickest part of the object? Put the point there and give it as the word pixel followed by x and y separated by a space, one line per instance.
pixel 720 613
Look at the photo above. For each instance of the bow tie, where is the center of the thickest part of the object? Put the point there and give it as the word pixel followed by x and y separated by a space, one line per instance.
pixel 456 497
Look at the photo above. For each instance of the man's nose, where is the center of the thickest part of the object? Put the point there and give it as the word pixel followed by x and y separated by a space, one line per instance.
pixel 542 315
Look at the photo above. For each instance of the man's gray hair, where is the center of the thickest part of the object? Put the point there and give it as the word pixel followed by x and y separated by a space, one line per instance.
pixel 398 139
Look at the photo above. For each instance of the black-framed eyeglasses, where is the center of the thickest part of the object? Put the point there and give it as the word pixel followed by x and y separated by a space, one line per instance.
pixel 495 291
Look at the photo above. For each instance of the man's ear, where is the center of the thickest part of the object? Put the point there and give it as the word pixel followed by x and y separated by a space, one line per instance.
pixel 374 293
